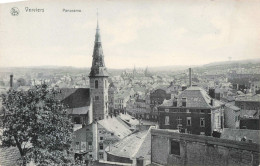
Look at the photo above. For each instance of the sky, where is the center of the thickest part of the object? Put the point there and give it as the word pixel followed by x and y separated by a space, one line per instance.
pixel 133 33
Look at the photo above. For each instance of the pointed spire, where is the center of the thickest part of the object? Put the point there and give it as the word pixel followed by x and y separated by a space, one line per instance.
pixel 98 37
pixel 97 20
pixel 98 65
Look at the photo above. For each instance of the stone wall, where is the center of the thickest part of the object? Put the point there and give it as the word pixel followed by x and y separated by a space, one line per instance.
pixel 100 105
pixel 201 150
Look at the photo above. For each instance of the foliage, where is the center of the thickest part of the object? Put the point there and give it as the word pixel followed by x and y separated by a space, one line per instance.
pixel 37 124
pixel 20 82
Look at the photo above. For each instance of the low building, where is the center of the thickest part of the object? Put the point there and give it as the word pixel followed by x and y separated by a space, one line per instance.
pixel 248 102
pixel 252 136
pixel 134 149
pixel 89 142
pixel 171 148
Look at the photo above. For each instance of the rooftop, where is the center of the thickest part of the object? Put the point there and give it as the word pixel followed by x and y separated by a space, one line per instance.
pixel 117 126
pixel 135 145
pixel 75 97
pixel 255 98
pixel 195 97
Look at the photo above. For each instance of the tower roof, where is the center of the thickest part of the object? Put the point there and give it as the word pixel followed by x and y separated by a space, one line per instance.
pixel 98 68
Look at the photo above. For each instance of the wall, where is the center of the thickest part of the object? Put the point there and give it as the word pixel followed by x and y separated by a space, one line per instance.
pixel 100 109
pixel 195 114
pixel 230 120
pixel 202 150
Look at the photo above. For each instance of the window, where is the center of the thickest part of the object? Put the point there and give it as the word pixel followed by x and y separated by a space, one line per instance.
pixel 175 147
pixel 166 110
pixel 90 156
pixel 174 104
pixel 96 97
pixel 202 111
pixel 77 145
pixel 77 120
pixel 90 145
pixel 167 120
pixel 179 120
pixel 101 146
pixel 184 102
pixel 96 84
pixel 100 155
pixel 101 138
pixel 202 122
pixel 187 111
pixel 188 121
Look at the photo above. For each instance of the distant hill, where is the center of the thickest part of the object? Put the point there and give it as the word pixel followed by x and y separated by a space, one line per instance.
pixel 254 61
pixel 86 70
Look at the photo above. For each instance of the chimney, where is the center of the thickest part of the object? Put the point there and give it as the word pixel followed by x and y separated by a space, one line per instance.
pixel 212 93
pixel 190 81
pixel 211 102
pixel 11 81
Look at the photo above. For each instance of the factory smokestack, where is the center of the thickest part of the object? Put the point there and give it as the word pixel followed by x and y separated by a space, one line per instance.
pixel 190 79
pixel 11 81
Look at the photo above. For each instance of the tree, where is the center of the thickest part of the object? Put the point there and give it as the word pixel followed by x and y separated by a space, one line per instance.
pixel 37 124
pixel 21 82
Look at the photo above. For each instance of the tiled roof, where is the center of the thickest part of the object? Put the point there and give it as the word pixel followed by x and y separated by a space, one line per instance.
pixel 129 119
pixel 195 97
pixel 75 97
pixel 248 98
pixel 9 156
pixel 117 126
pixel 231 106
pixel 145 148
pixel 129 147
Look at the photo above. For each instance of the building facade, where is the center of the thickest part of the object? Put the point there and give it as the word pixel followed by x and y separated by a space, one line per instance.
pixel 171 148
pixel 193 111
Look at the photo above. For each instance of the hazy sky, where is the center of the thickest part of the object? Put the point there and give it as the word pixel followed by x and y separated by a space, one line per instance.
pixel 140 33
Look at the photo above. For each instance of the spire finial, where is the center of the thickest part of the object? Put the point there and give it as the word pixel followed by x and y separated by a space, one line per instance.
pixel 97 19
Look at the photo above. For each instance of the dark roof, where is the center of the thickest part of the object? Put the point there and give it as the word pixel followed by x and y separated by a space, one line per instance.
pixel 195 97
pixel 75 97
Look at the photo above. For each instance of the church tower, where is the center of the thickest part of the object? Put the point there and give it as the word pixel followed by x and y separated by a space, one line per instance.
pixel 98 77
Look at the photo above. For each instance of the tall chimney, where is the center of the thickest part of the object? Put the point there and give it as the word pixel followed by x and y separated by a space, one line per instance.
pixel 190 82
pixel 11 81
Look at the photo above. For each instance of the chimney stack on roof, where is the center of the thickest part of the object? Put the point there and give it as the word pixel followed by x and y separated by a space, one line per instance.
pixel 190 80
pixel 11 81
pixel 211 102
